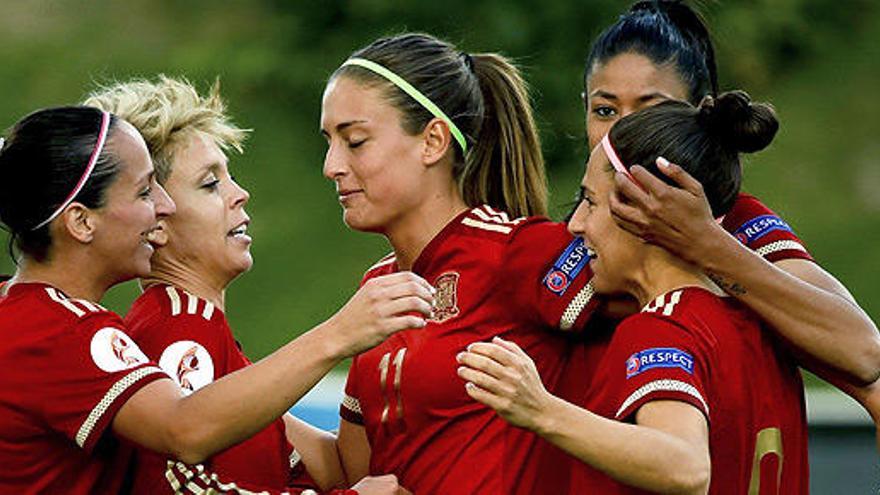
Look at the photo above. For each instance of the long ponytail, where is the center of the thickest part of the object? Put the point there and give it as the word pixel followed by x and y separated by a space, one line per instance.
pixel 506 167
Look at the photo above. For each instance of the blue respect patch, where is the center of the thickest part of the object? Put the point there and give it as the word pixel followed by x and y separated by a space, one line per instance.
pixel 758 227
pixel 659 357
pixel 567 267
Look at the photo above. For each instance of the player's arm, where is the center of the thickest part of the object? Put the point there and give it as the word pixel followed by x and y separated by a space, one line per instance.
pixel 666 451
pixel 159 417
pixel 318 450
pixel 802 302
pixel 354 450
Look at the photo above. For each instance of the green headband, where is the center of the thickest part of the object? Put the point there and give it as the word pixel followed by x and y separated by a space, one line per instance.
pixel 412 91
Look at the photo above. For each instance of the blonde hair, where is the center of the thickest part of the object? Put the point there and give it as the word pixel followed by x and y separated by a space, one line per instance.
pixel 167 113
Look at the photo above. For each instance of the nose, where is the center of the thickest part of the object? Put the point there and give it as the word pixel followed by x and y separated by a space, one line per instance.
pixel 576 222
pixel 334 166
pixel 241 196
pixel 163 203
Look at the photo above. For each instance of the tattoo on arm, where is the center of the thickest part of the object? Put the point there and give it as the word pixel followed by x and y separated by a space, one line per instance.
pixel 730 286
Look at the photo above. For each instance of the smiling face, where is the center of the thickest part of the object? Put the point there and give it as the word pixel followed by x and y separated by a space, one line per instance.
pixel 616 252
pixel 625 84
pixel 374 163
pixel 208 233
pixel 134 203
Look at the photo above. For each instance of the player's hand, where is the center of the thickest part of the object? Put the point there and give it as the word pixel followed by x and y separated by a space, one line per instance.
pixel 380 485
pixel 675 218
pixel 502 376
pixel 382 306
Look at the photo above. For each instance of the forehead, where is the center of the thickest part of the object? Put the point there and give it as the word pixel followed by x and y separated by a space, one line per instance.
pixel 130 149
pixel 199 151
pixel 347 100
pixel 632 74
pixel 597 176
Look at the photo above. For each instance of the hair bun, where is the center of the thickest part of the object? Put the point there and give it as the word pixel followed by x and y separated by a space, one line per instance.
pixel 741 125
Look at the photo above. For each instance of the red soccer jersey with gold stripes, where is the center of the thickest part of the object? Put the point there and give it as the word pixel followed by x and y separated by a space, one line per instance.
pixel 691 346
pixel 521 279
pixel 68 366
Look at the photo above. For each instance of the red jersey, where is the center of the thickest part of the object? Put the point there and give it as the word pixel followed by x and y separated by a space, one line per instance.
pixel 692 346
pixel 494 277
pixel 68 366
pixel 191 340
pixel 763 231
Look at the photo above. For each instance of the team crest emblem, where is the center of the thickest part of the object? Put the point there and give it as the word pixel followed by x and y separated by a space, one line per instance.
pixel 112 350
pixel 446 298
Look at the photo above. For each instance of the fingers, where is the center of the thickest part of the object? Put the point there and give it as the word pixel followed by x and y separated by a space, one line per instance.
pixel 408 304
pixel 483 396
pixel 678 174
pixel 493 351
pixel 483 380
pixel 402 278
pixel 628 189
pixel 481 363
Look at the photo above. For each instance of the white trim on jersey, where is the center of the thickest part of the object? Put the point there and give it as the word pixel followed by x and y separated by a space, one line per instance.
pixel 64 301
pixel 660 303
pixel 576 306
pixel 208 312
pixel 115 391
pixel 352 404
pixel 174 297
pixel 192 303
pixel 662 386
pixel 193 476
pixel 775 247
pixel 470 222
pixel 387 260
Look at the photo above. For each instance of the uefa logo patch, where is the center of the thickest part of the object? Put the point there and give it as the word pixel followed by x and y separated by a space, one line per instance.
pixel 112 350
pixel 567 267
pixel 189 363
pixel 758 227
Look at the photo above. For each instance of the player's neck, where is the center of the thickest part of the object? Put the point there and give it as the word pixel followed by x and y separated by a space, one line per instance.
pixel 78 283
pixel 190 279
pixel 412 233
pixel 661 272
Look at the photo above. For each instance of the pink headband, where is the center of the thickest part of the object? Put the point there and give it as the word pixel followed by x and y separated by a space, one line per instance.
pixel 615 160
pixel 99 146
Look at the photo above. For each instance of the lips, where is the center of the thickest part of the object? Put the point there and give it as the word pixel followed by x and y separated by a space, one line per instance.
pixel 240 230
pixel 154 237
pixel 345 194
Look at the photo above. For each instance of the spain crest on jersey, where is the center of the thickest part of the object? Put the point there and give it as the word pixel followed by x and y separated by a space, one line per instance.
pixel 446 298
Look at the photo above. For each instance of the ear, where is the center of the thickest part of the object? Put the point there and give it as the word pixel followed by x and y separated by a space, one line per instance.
pixel 437 139
pixel 79 222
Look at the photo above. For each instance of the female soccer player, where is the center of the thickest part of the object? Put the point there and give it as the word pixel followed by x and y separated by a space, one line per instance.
pixel 79 196
pixel 437 150
pixel 693 372
pixel 661 50
pixel 179 321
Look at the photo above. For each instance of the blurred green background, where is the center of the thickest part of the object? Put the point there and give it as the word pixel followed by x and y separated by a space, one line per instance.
pixel 816 60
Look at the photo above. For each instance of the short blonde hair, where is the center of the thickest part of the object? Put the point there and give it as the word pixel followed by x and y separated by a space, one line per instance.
pixel 167 113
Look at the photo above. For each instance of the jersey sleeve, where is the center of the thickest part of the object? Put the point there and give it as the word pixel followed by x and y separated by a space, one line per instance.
pixel 548 277
pixel 651 358
pixel 95 368
pixel 197 478
pixel 763 231
pixel 350 409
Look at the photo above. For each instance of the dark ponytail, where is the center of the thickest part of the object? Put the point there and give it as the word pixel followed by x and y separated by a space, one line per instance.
pixel 706 141
pixel 486 98
pixel 40 163
pixel 666 32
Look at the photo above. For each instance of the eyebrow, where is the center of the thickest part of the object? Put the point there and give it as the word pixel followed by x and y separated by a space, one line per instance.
pixel 646 97
pixel 343 126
